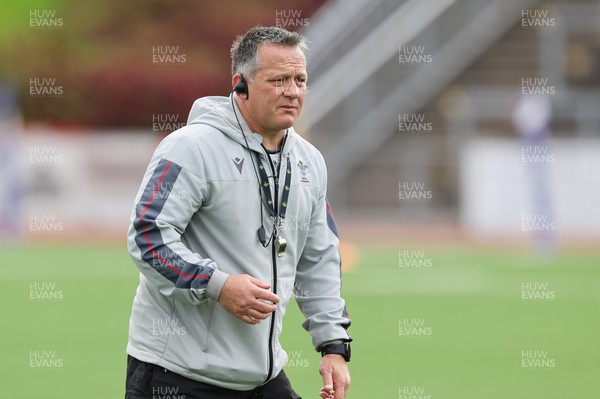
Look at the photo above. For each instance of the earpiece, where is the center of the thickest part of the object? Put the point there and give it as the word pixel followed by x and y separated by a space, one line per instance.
pixel 242 87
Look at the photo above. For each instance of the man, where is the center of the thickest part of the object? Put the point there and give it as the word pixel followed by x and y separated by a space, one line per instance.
pixel 231 217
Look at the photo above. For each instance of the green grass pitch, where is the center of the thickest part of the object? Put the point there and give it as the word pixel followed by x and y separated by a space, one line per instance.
pixel 458 327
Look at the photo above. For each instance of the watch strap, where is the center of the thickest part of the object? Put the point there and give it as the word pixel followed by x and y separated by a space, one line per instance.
pixel 342 349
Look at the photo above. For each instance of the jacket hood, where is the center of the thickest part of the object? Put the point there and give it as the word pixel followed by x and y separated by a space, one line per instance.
pixel 218 112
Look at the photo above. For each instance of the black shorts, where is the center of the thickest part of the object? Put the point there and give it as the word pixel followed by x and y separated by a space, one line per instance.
pixel 149 381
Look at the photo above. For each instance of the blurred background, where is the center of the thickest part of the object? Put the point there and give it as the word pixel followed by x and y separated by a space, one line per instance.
pixel 462 139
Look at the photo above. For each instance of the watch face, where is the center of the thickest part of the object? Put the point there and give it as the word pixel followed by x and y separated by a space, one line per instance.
pixel 348 351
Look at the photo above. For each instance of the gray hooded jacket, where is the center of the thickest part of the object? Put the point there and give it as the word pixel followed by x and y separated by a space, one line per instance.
pixel 195 222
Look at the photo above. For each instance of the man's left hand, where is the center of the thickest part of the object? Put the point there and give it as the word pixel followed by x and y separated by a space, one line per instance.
pixel 336 377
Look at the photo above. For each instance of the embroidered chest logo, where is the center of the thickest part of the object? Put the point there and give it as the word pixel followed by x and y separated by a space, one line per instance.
pixel 303 171
pixel 239 163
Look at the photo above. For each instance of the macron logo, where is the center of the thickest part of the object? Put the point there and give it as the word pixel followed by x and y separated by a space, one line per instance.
pixel 239 163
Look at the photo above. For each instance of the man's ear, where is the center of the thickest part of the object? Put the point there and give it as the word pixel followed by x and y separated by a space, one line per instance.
pixel 240 85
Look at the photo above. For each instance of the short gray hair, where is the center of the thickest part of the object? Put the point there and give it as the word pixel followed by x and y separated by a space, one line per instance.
pixel 244 50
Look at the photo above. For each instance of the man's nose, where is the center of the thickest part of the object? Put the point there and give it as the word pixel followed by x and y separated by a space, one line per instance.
pixel 292 89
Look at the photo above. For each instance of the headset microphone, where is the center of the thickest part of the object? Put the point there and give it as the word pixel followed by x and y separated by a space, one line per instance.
pixel 242 87
pixel 262 235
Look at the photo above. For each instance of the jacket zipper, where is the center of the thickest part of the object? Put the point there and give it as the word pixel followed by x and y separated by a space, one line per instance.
pixel 272 327
pixel 274 262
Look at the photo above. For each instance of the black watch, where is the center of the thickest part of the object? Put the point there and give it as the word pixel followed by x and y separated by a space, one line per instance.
pixel 337 349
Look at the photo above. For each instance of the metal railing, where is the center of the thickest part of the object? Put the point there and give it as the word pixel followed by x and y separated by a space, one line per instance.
pixel 457 32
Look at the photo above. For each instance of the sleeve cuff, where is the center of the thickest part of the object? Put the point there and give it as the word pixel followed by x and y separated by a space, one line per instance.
pixel 215 284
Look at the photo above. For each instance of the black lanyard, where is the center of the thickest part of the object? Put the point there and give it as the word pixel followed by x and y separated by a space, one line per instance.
pixel 266 187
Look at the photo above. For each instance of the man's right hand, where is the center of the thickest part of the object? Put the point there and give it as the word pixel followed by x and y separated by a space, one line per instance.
pixel 247 298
